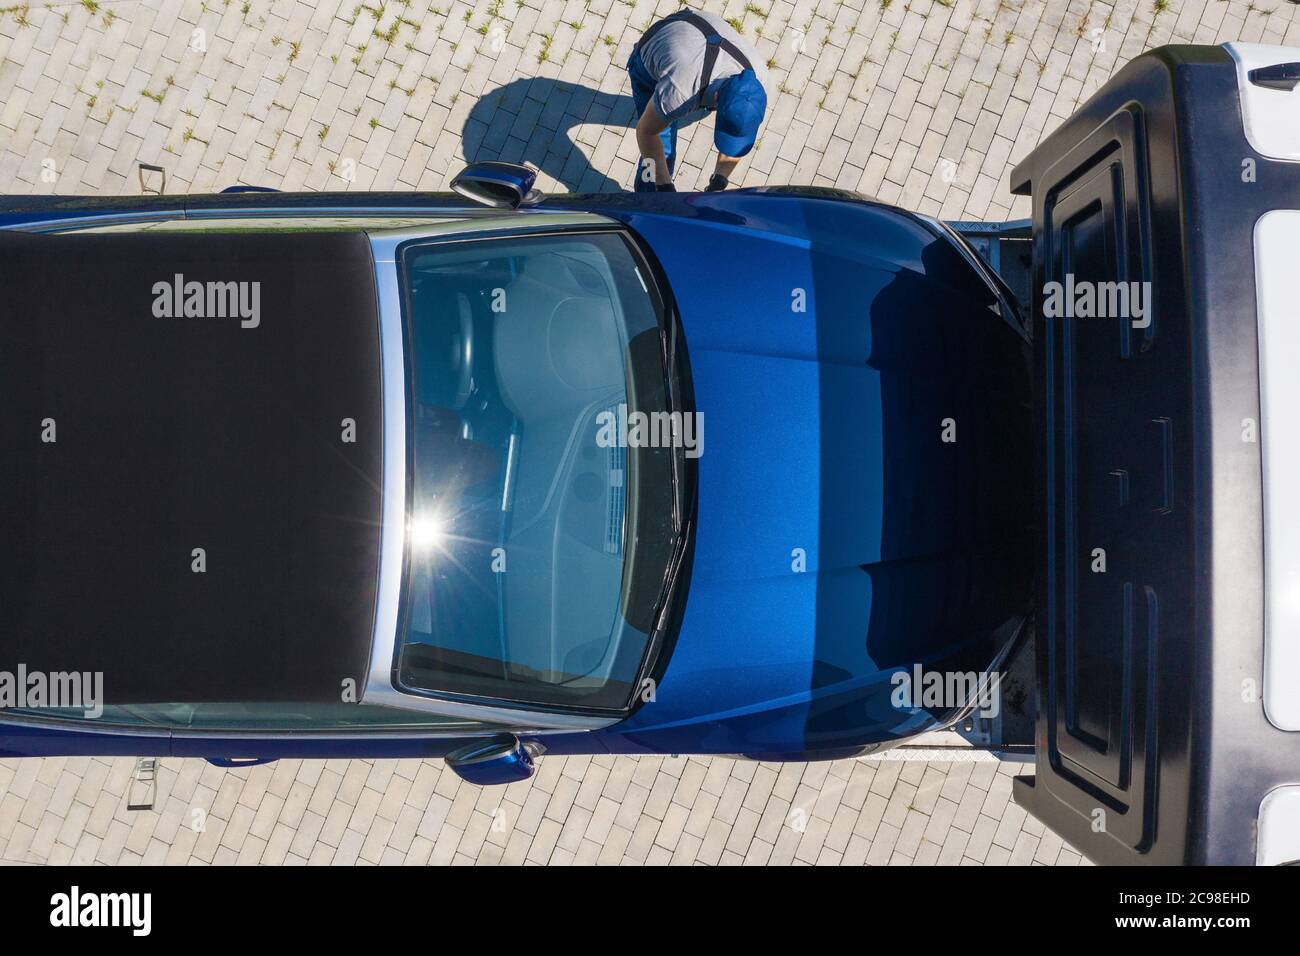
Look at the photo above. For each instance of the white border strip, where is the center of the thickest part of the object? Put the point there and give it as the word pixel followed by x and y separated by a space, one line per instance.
pixel 1277 290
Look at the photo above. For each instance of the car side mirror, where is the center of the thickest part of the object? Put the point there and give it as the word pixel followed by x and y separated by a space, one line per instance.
pixel 500 185
pixel 497 760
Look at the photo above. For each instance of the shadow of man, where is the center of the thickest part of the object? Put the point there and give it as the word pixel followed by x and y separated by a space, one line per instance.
pixel 532 120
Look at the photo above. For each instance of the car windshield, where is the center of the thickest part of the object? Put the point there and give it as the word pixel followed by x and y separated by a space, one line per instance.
pixel 538 548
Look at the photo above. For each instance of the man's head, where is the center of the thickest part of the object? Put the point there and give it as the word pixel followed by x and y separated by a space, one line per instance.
pixel 742 101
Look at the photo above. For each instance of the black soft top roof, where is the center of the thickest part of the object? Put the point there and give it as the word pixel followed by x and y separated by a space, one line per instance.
pixel 174 434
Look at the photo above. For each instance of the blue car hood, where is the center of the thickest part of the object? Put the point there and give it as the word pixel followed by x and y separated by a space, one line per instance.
pixel 863 495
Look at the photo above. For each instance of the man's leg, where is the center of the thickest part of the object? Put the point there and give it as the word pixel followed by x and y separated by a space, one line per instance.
pixel 642 90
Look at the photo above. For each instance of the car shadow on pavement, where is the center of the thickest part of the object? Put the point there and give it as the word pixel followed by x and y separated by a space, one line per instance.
pixel 534 121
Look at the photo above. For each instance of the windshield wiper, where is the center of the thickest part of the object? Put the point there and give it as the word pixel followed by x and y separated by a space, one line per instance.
pixel 677 461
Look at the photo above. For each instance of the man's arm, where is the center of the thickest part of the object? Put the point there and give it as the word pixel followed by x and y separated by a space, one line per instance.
pixel 648 128
pixel 722 170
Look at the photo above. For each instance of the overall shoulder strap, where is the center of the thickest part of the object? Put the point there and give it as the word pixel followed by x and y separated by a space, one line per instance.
pixel 714 42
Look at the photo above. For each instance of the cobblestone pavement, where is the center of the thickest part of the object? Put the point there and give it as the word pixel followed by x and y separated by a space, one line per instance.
pixel 600 810
pixel 927 104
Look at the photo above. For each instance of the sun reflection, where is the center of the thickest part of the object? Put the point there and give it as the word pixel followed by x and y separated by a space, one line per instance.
pixel 427 531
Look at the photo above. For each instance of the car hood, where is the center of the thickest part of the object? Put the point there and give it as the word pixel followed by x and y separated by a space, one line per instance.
pixel 863 499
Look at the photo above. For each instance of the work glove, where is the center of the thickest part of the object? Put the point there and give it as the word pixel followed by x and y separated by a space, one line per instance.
pixel 665 188
pixel 717 183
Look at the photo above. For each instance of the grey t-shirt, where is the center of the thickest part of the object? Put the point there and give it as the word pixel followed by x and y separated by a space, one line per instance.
pixel 674 56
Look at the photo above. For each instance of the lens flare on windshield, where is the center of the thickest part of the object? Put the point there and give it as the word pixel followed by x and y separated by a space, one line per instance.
pixel 427 531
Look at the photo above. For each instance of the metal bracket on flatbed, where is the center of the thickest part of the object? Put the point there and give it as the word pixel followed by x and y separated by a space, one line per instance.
pixel 143 789
pixel 1006 248
pixel 1009 733
pixel 162 188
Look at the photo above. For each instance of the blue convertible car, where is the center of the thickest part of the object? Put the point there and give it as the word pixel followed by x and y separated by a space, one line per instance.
pixel 784 473
pixel 392 474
